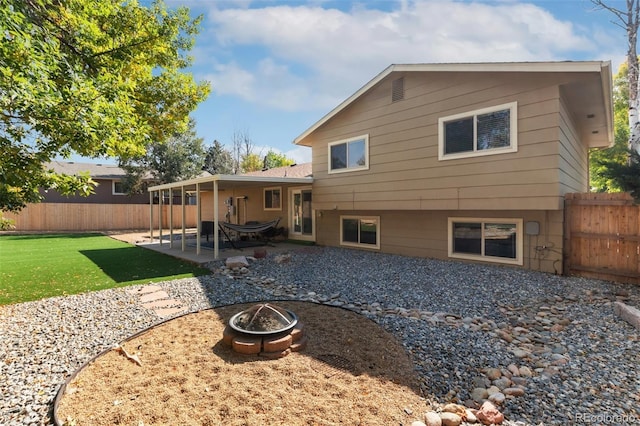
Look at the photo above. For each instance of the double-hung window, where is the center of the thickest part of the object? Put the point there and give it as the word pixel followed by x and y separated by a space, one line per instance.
pixel 272 198
pixel 492 240
pixel 360 231
pixel 349 154
pixel 482 132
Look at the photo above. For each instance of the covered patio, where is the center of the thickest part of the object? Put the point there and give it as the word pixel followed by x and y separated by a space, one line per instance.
pixel 220 199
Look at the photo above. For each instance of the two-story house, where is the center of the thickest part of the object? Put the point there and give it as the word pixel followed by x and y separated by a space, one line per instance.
pixel 465 161
pixel 450 161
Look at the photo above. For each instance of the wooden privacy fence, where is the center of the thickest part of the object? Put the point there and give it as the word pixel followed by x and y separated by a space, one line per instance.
pixel 96 217
pixel 601 237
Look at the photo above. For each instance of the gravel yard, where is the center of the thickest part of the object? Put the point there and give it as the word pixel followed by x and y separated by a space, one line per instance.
pixel 553 342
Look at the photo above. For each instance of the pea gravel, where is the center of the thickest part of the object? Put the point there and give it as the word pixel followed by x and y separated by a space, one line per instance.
pixel 447 314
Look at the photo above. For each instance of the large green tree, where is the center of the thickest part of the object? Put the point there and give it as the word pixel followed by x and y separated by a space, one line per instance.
pixel 601 161
pixel 180 157
pixel 98 78
pixel 274 159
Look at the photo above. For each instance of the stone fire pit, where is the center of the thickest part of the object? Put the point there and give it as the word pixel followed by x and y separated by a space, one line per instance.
pixel 266 330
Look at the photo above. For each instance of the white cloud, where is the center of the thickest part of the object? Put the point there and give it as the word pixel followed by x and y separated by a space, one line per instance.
pixel 313 58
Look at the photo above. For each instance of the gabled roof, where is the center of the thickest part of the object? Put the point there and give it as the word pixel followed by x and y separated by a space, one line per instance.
pixel 293 171
pixel 601 67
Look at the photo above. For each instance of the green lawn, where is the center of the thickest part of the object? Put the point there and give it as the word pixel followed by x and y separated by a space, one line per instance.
pixel 37 266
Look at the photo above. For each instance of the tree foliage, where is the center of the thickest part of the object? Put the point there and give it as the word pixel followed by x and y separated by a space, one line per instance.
pixel 218 160
pixel 98 78
pixel 250 162
pixel 274 159
pixel 180 157
pixel 629 19
pixel 600 161
pixel 625 175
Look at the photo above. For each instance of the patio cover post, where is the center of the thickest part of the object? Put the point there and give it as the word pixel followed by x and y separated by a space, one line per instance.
pixel 170 217
pixel 184 243
pixel 160 196
pixel 151 214
pixel 216 241
pixel 198 218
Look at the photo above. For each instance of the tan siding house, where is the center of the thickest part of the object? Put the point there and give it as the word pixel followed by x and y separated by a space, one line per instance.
pixel 466 161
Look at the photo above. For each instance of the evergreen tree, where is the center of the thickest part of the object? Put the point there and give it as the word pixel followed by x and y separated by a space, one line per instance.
pixel 218 160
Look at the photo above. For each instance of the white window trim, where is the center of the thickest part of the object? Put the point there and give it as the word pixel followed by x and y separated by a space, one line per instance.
pixel 513 134
pixel 361 245
pixel 519 240
pixel 113 188
pixel 264 198
pixel 346 141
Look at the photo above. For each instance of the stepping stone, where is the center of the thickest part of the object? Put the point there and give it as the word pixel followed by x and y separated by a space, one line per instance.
pixel 167 312
pixel 162 303
pixel 144 290
pixel 150 297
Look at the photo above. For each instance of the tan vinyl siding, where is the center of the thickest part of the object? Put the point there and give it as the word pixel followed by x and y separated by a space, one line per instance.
pixel 254 205
pixel 404 171
pixel 428 236
pixel 574 160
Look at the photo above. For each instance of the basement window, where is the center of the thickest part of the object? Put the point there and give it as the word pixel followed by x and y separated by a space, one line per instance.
pixel 491 240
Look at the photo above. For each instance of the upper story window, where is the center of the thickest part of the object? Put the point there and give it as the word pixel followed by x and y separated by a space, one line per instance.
pixel 482 132
pixel 349 155
pixel 118 188
pixel 272 198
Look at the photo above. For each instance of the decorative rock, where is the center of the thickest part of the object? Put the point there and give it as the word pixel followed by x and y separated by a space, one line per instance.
pixel 525 371
pixel 493 373
pixel 488 414
pixel 479 394
pixel 450 419
pixel 513 369
pixel 431 418
pixel 282 258
pixel 470 417
pixel 236 262
pixel 513 391
pixel 418 423
pixel 260 253
pixel 455 409
pixel 497 398
pixel 502 382
pixel 627 313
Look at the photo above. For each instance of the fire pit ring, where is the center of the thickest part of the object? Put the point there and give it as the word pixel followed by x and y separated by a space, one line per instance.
pixel 265 329
pixel 263 320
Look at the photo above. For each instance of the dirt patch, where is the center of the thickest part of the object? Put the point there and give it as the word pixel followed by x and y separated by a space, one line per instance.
pixel 351 372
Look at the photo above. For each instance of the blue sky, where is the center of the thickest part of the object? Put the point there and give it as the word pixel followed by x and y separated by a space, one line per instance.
pixel 277 67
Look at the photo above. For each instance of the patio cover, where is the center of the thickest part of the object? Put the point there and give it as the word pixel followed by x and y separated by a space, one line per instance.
pixel 213 184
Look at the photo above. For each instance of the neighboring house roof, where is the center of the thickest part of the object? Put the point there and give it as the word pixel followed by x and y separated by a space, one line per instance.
pixel 96 171
pixel 293 171
pixel 584 96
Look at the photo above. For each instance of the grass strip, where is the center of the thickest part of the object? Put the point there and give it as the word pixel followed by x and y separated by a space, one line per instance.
pixel 33 267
